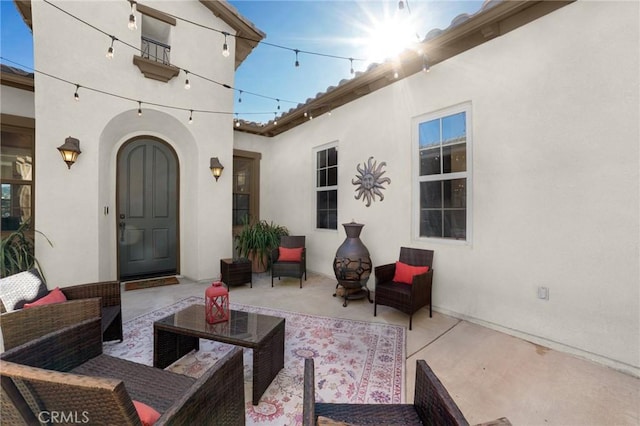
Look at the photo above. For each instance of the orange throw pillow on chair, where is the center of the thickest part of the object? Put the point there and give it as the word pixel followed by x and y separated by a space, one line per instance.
pixel 55 296
pixel 148 415
pixel 404 272
pixel 289 254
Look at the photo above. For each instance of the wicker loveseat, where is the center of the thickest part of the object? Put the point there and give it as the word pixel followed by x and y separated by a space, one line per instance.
pixel 21 325
pixel 432 406
pixel 66 373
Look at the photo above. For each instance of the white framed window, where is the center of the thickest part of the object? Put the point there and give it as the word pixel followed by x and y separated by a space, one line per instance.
pixel 326 185
pixel 442 174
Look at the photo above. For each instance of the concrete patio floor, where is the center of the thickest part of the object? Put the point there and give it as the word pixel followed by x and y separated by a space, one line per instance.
pixel 489 374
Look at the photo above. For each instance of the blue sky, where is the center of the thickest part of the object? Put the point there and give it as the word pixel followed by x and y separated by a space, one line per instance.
pixel 341 28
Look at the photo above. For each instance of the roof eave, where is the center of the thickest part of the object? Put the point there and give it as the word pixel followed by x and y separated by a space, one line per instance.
pixel 493 21
pixel 247 35
pixel 22 82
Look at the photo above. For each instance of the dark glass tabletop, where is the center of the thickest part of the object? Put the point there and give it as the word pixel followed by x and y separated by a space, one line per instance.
pixel 243 326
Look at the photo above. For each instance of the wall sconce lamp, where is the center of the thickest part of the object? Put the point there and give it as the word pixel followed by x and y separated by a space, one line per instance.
pixel 216 167
pixel 70 150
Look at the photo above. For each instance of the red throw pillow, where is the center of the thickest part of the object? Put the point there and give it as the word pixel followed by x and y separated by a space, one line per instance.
pixel 404 273
pixel 55 296
pixel 289 254
pixel 148 416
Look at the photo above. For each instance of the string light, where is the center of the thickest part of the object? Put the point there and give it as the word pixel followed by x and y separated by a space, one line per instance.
pixel 187 85
pixel 425 64
pixel 110 50
pixel 275 119
pixel 237 121
pixel 132 18
pixel 190 116
pixel 240 97
pixel 278 103
pixel 225 47
pixel 75 95
pixel 114 95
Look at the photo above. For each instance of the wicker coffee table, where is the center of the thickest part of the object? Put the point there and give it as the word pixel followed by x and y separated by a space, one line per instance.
pixel 179 334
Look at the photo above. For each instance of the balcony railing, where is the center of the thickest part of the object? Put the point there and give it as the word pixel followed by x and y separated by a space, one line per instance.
pixel 155 51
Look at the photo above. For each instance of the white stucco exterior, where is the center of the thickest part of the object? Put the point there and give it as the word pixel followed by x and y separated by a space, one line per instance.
pixel 555 169
pixel 17 102
pixel 103 124
pixel 555 202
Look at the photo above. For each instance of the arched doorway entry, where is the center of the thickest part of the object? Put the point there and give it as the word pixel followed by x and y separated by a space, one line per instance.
pixel 147 209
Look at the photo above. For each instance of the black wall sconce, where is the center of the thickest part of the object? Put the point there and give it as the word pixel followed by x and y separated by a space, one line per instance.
pixel 70 150
pixel 216 167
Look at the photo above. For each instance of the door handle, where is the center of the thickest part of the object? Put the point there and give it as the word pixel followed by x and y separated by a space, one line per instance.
pixel 121 225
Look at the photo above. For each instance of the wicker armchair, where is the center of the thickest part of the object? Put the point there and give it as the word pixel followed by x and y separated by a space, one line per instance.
pixel 13 324
pixel 289 269
pixel 65 372
pixel 432 405
pixel 407 298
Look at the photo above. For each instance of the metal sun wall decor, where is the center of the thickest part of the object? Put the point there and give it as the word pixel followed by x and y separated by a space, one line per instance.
pixel 369 181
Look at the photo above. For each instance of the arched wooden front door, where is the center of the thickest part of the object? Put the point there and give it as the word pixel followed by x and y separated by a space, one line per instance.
pixel 147 209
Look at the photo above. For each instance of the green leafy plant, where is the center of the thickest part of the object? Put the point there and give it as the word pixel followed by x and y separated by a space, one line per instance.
pixel 258 238
pixel 17 251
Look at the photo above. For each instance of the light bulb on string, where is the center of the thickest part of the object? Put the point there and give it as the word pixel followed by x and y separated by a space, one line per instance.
pixel 395 73
pixel 110 50
pixel 187 85
pixel 75 95
pixel 425 64
pixel 306 114
pixel 225 47
pixel 278 100
pixel 237 121
pixel 139 109
pixel 275 119
pixel 190 116
pixel 297 62
pixel 240 97
pixel 351 70
pixel 132 18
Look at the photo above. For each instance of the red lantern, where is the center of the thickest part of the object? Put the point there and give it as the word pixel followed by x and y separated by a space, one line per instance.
pixel 216 303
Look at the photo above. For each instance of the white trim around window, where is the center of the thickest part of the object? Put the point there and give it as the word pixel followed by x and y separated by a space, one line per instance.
pixel 325 182
pixel 442 143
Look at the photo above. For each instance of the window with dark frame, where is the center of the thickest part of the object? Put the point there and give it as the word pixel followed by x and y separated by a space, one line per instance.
pixel 443 175
pixel 17 177
pixel 327 188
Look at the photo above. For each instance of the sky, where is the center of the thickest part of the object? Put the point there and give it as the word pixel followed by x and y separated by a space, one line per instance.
pixel 369 30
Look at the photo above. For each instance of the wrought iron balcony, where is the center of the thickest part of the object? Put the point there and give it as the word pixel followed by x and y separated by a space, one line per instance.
pixel 156 51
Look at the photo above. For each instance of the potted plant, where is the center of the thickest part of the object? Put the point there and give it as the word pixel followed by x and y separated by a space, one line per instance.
pixel 257 239
pixel 17 251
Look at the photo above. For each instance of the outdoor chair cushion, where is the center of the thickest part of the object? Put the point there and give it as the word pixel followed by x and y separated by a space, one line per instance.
pixel 21 288
pixel 404 272
pixel 148 416
pixel 290 254
pixel 55 296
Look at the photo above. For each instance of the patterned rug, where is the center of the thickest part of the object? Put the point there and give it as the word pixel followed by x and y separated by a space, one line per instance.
pixel 355 361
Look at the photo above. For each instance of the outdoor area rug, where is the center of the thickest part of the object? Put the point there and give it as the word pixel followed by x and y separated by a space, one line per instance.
pixel 355 361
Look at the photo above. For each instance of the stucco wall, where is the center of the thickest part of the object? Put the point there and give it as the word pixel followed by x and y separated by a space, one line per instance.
pixel 555 180
pixel 16 102
pixel 71 203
